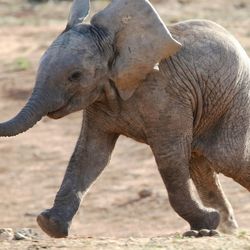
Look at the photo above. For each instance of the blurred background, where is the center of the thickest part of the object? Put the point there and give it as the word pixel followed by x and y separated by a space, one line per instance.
pixel 129 199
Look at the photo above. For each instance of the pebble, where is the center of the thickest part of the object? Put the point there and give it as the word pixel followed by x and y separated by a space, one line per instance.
pixel 201 233
pixel 191 233
pixel 214 233
pixel 204 232
pixel 25 234
pixel 6 234
pixel 145 193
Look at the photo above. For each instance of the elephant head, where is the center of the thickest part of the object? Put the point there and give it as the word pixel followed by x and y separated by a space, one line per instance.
pixel 122 44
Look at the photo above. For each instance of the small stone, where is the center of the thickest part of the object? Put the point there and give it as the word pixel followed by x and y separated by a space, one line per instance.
pixel 240 5
pixel 191 233
pixel 25 234
pixel 214 233
pixel 145 193
pixel 204 232
pixel 6 234
pixel 31 214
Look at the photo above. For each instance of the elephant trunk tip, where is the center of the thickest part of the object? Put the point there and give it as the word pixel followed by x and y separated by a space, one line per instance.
pixel 12 128
pixel 38 105
pixel 24 120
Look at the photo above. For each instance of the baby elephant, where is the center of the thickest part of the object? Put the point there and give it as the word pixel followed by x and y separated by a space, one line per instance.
pixel 183 91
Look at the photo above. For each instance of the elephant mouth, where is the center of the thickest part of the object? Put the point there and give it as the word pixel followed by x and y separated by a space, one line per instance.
pixel 59 113
pixel 64 110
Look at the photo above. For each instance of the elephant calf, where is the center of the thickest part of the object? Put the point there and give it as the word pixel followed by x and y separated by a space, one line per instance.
pixel 183 91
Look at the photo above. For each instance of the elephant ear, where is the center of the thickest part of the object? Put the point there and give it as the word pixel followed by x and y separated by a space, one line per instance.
pixel 78 12
pixel 141 40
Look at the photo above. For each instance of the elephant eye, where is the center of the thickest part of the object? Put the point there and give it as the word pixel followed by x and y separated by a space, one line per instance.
pixel 76 76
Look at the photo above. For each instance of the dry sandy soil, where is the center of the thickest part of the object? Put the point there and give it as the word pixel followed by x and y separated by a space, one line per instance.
pixel 32 165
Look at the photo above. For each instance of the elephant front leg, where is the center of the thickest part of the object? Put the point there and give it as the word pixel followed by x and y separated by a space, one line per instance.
pixel 173 161
pixel 91 155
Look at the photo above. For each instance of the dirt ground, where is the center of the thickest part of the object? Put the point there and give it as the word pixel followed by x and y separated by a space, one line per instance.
pixel 112 215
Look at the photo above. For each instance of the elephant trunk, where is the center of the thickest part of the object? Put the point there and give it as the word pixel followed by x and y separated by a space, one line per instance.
pixel 31 113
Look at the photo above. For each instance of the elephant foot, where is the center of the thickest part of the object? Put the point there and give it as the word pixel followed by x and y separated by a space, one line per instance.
pixel 52 225
pixel 210 220
pixel 205 226
pixel 201 233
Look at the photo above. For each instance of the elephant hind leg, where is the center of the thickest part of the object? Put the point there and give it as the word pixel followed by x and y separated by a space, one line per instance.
pixel 242 177
pixel 211 194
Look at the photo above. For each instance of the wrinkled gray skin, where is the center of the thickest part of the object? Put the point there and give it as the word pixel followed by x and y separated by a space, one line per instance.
pixel 193 111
